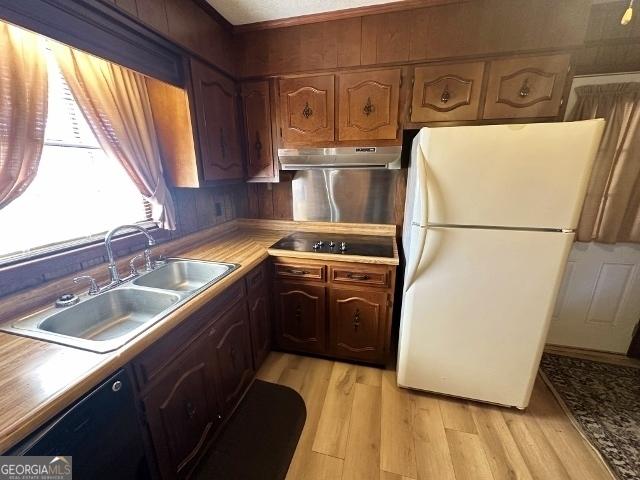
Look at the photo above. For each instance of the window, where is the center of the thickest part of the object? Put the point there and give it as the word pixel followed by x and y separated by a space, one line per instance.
pixel 78 193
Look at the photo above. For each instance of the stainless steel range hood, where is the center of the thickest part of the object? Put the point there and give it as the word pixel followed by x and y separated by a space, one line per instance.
pixel 340 157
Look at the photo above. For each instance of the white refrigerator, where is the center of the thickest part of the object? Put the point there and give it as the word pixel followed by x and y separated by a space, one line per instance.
pixel 489 221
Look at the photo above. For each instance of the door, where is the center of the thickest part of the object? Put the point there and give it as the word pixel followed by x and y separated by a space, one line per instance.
pixel 598 304
pixel 261 164
pixel 307 110
pixel 182 411
pixel 216 106
pixel 358 324
pixel 232 359
pixel 368 105
pixel 526 86
pixel 476 311
pixel 447 92
pixel 300 322
pixel 525 176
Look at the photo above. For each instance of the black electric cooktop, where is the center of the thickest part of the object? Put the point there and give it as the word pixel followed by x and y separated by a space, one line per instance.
pixel 365 245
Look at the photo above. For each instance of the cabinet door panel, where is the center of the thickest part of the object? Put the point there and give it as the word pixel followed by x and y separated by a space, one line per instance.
pixel 300 322
pixel 369 104
pixel 447 92
pixel 259 314
pixel 358 324
pixel 233 363
pixel 306 109
pixel 182 412
pixel 217 120
pixel 257 120
pixel 526 87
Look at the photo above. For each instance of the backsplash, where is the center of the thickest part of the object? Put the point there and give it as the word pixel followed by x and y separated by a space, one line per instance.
pixel 196 209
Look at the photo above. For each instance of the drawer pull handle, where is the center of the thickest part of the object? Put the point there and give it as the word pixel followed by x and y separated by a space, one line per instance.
pixel 191 410
pixel 357 276
pixel 525 89
pixel 295 271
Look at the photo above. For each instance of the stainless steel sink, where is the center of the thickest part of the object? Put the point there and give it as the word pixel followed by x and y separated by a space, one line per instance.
pixel 183 275
pixel 109 315
pixel 106 321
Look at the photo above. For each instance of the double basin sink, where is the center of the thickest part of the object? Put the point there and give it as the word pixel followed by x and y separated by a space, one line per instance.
pixel 106 321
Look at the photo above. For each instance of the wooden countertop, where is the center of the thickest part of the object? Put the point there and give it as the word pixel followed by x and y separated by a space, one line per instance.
pixel 39 379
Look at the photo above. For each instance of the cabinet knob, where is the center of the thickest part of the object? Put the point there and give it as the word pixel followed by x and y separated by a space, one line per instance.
pixel 307 111
pixel 356 320
pixel 117 385
pixel 223 146
pixel 525 89
pixel 368 108
pixel 258 145
pixel 190 409
pixel 444 98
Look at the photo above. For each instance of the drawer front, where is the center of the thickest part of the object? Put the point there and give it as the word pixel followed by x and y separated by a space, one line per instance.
pixel 358 275
pixel 300 271
pixel 256 278
pixel 151 363
pixel 447 92
pixel 526 87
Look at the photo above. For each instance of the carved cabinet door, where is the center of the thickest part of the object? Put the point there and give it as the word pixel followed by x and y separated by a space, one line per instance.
pixel 368 105
pixel 257 122
pixel 358 324
pixel 300 322
pixel 216 105
pixel 182 412
pixel 447 92
pixel 232 356
pixel 306 109
pixel 526 87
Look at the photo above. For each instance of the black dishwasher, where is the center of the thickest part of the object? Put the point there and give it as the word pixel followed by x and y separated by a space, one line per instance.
pixel 101 433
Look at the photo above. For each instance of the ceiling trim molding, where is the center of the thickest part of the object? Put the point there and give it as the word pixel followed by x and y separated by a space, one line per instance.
pixel 212 12
pixel 341 14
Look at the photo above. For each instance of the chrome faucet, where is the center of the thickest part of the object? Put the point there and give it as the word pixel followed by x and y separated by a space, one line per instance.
pixel 113 269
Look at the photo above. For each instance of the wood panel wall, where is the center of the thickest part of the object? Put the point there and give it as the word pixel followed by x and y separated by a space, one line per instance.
pixel 456 30
pixel 609 47
pixel 190 24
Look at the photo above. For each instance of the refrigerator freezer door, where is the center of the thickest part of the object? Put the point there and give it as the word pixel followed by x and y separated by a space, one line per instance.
pixel 523 176
pixel 475 318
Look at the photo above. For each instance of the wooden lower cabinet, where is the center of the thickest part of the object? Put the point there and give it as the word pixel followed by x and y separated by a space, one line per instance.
pixel 343 310
pixel 300 317
pixel 191 380
pixel 182 411
pixel 358 324
pixel 232 361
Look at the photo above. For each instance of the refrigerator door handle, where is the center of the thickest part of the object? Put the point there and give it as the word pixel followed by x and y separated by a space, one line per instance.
pixel 416 254
pixel 422 185
pixel 412 268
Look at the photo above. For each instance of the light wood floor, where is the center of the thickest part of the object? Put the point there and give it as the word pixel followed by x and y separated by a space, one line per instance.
pixel 360 426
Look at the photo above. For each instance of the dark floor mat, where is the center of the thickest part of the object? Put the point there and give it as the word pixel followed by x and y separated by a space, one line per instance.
pixel 259 440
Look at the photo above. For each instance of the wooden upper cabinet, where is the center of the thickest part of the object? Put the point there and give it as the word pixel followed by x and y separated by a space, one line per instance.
pixel 261 164
pixel 216 106
pixel 306 109
pixel 447 92
pixel 368 105
pixel 526 86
